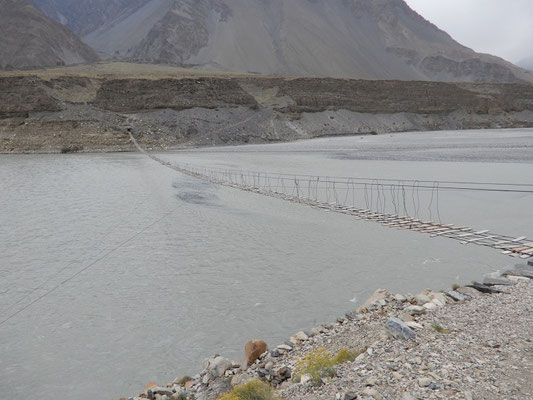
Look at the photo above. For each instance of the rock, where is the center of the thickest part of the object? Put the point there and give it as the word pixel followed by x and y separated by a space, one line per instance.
pixel 379 294
pixel 484 288
pixel 219 365
pixel 398 329
pixel 301 336
pixel 253 350
pixel 440 299
pixel 305 378
pixel 530 262
pixel 468 396
pixel 371 381
pixel 414 325
pixel 284 347
pixel 456 296
pixel 400 298
pixel 525 271
pixel 517 278
pixel 498 281
pixel 350 396
pixel 370 392
pixel 269 365
pixel 422 299
pixel 468 291
pixel 416 310
pixel 430 306
pixel 188 385
pixel 424 382
pixel 162 391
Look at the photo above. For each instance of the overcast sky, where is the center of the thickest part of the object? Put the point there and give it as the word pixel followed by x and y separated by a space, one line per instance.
pixel 500 27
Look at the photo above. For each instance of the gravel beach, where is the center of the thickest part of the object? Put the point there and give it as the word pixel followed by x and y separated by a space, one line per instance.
pixel 462 344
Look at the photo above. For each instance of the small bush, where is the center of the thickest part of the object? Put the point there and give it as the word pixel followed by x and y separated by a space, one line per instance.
pixel 455 286
pixel 439 328
pixel 345 355
pixel 319 364
pixel 253 390
pixel 182 396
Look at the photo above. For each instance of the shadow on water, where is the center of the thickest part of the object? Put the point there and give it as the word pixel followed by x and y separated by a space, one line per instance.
pixel 196 192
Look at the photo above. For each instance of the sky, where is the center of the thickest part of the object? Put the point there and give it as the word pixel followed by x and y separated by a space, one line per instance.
pixel 500 27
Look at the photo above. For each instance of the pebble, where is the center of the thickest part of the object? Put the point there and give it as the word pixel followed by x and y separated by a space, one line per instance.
pixel 424 382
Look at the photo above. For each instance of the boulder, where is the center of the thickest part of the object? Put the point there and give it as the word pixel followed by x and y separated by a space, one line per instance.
pixel 218 366
pixel 415 310
pixel 253 350
pixel 530 262
pixel 468 291
pixel 422 299
pixel 484 288
pixel 430 306
pixel 380 294
pixel 398 329
pixel 498 282
pixel 455 296
pixel 523 270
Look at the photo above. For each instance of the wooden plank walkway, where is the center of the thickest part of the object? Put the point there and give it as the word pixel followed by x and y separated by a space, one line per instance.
pixel 512 246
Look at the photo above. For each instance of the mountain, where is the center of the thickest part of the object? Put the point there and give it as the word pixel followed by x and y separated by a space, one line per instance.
pixel 527 63
pixel 370 39
pixel 30 39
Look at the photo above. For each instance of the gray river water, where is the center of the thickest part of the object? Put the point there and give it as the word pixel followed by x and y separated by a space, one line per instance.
pixel 116 271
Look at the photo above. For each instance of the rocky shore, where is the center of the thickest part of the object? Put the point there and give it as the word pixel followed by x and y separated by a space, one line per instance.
pixel 472 342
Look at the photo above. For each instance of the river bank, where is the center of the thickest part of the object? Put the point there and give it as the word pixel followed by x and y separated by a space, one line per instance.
pixel 462 344
pixel 50 113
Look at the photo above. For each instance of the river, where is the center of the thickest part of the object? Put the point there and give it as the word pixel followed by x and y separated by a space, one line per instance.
pixel 116 271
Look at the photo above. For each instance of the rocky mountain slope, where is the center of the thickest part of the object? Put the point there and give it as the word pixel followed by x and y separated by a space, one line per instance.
pixel 31 39
pixel 369 39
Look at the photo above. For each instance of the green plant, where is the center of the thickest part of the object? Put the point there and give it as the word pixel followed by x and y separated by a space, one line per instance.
pixel 455 286
pixel 318 364
pixel 345 355
pixel 182 396
pixel 439 328
pixel 253 390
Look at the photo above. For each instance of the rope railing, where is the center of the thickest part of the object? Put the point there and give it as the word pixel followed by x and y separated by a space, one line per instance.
pixel 402 204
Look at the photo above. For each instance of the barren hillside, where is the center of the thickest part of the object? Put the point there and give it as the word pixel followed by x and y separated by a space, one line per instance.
pixel 368 39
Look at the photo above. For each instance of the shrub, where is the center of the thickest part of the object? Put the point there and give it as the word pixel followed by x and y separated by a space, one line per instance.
pixel 345 355
pixel 439 328
pixel 455 286
pixel 253 390
pixel 319 364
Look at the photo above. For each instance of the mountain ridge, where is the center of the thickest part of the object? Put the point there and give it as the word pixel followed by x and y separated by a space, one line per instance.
pixel 368 39
pixel 31 39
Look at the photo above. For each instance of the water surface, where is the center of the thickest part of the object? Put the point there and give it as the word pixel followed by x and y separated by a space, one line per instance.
pixel 116 271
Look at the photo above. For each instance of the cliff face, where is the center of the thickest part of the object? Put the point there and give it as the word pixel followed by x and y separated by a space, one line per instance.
pixel 96 113
pixel 30 39
pixel 368 39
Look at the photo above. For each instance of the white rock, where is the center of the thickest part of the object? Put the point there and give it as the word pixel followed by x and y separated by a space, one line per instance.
pixel 430 306
pixel 415 310
pixel 424 382
pixel 400 298
pixel 301 336
pixel 422 299
pixel 414 325
pixel 306 378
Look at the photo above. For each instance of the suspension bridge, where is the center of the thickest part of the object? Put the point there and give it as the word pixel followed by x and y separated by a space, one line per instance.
pixel 400 204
